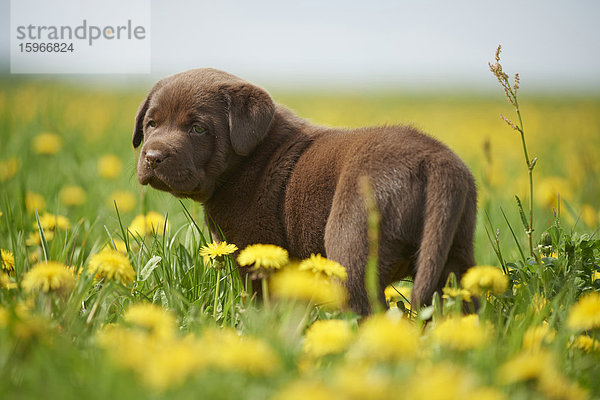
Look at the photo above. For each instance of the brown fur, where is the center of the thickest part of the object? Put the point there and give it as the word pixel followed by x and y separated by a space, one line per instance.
pixel 268 176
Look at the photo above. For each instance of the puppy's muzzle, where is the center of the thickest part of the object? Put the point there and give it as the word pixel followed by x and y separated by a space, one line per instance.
pixel 154 158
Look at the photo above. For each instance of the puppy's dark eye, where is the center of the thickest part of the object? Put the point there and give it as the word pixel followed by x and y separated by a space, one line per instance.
pixel 198 129
pixel 152 123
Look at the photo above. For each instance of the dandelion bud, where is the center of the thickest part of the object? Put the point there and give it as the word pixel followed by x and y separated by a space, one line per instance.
pixel 545 244
pixel 546 239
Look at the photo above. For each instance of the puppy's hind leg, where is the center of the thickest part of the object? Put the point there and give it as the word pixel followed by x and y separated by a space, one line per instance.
pixel 446 191
pixel 346 242
pixel 461 257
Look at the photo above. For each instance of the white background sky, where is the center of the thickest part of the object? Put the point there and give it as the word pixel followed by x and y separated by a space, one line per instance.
pixel 554 44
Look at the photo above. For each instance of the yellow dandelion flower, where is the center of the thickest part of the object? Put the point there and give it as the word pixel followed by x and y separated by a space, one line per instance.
pixel 6 281
pixel 549 188
pixel 539 366
pixel 535 336
pixel 361 382
pixel 8 168
pixel 227 350
pixel 72 195
pixel 131 348
pixel 7 261
pixel 4 317
pixel 481 279
pixel 76 270
pixel 555 385
pixel 263 257
pixel 589 215
pixel 29 326
pixel 395 293
pixel 47 143
pixel 524 367
pixel 319 264
pixel 452 293
pixel 586 343
pixel 158 362
pixel 119 244
pixel 302 390
pixel 216 249
pixel 553 255
pixel 485 393
pixel 143 225
pixel 125 200
pixel 384 337
pixel 538 303
pixel 172 363
pixel 109 166
pixel 291 283
pixel 34 238
pixel 327 337
pixel 34 201
pixel 398 294
pixel 461 333
pixel 585 314
pixel 595 276
pixel 253 356
pixel 112 265
pixel 47 276
pixel 151 318
pixel 448 381
pixel 25 308
pixel 52 222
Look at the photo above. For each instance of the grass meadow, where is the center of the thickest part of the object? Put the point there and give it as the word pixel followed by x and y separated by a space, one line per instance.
pixel 104 292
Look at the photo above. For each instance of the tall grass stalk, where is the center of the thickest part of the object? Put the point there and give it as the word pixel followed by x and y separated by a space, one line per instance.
pixel 372 268
pixel 218 281
pixel 511 92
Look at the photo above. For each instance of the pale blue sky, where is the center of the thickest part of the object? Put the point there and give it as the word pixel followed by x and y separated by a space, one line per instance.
pixel 554 44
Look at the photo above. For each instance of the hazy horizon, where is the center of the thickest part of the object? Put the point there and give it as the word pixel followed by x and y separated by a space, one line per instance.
pixel 427 45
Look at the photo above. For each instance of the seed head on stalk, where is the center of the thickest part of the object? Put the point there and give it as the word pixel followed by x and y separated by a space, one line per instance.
pixel 510 92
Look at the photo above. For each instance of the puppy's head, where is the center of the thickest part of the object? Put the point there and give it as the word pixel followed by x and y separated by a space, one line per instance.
pixel 194 126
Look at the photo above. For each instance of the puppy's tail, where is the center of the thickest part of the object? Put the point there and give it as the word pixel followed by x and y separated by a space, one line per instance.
pixel 445 196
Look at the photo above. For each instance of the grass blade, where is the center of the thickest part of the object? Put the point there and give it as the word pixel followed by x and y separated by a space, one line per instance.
pixel 514 236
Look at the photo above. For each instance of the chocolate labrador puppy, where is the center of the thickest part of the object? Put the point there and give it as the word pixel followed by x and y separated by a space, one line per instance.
pixel 265 175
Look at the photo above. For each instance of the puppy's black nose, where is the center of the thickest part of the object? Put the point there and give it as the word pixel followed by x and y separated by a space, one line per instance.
pixel 154 157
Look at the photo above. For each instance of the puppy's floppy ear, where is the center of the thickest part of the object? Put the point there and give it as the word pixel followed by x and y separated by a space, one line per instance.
pixel 138 129
pixel 251 110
